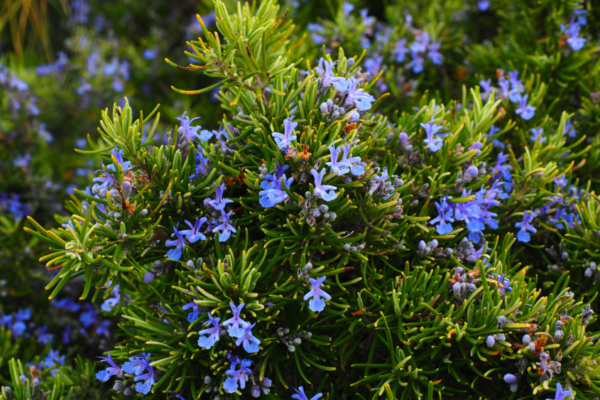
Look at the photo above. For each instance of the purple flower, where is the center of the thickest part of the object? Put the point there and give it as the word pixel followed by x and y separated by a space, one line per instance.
pixel 235 323
pixel 247 338
pixel 355 96
pixel 416 63
pixel 525 111
pixel 444 217
pixel 525 226
pixel 284 140
pixel 504 87
pixel 500 169
pixel 273 192
pixel 483 5
pixel 88 317
pixel 537 134
pixel 193 315
pixel 433 142
pixel 400 50
pixel 569 129
pixel 434 54
pixel 137 366
pixel 201 164
pixel 213 333
pixel 316 304
pixel 178 242
pixel 106 180
pixel 117 156
pixel 560 393
pixel 193 234
pixel 219 203
pixel 186 129
pixel 517 87
pixel 110 303
pixel 237 378
pixel 103 328
pixel 487 88
pixel 300 395
pixel 326 192
pixel 43 335
pixel 177 396
pixel 113 369
pixel 325 70
pixel 225 227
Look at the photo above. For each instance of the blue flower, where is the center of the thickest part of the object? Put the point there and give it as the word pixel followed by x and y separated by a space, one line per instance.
pixel 300 395
pixel 53 361
pixel 193 315
pixel 273 192
pixel 193 234
pixel 517 87
pixel 416 64
pixel 444 216
pixel 434 54
pixel 504 87
pixel 284 140
pixel 106 180
pixel 236 323
pixel 487 88
pixel 569 129
pixel 177 396
pixel 137 366
pixel 237 378
pixel 113 369
pixel 316 304
pixel 186 129
pixel 117 156
pixel 326 192
pixel 347 163
pixel 525 111
pixel 483 5
pixel 201 164
pixel 213 333
pixel 560 393
pixel 43 335
pixel 400 50
pixel 224 227
pixel 247 338
pixel 325 70
pixel 525 226
pixel 537 134
pixel 88 317
pixel 431 129
pixel 219 203
pixel 355 96
pixel 178 242
pixel 110 303
pixel 502 170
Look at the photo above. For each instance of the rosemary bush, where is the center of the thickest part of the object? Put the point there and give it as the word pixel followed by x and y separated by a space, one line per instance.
pixel 326 241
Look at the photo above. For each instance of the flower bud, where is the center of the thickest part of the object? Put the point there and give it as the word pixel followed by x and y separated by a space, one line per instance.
pixel 490 341
pixel 510 378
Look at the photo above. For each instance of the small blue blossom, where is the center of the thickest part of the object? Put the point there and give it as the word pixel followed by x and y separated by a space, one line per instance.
pixel 237 378
pixel 213 333
pixel 193 234
pixel 88 317
pixel 201 164
pixel 487 88
pixel 525 111
pixel 284 140
pixel 113 369
pixel 300 395
pixel 316 304
pixel 537 134
pixel 117 156
pixel 219 202
pixel 249 341
pixel 225 228
pixel 137 366
pixel 560 393
pixel 483 5
pixel 178 243
pixel 525 226
pixel 444 218
pixel 186 129
pixel 434 143
pixel 43 335
pixel 236 323
pixel 355 96
pixel 400 50
pixel 325 70
pixel 273 192
pixel 110 303
pixel 326 192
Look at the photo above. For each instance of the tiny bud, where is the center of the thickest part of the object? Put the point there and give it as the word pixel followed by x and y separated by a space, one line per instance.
pixel 510 378
pixel 490 341
pixel 291 348
pixel 297 341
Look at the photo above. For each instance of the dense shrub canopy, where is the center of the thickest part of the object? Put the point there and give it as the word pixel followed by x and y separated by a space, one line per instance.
pixel 403 209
